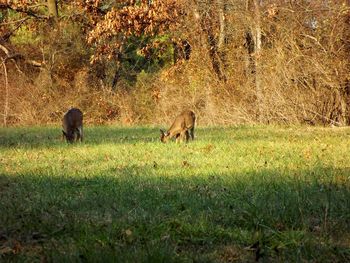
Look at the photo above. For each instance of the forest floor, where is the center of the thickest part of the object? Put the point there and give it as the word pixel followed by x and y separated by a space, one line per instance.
pixel 246 193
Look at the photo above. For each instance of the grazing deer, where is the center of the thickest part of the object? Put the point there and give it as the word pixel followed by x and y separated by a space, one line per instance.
pixel 72 124
pixel 183 127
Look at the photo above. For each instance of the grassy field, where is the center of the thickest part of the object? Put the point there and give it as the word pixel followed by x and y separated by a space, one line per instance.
pixel 241 194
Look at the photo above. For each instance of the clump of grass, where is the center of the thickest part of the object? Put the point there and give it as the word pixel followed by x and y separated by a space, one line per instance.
pixel 244 194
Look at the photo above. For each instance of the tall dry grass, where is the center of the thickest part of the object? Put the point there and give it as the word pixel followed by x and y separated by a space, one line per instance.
pixel 303 72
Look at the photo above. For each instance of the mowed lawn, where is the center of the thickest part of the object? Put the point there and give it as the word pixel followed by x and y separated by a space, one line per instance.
pixel 271 194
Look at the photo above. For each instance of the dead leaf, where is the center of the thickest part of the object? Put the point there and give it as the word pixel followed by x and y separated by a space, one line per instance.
pixel 185 164
pixel 6 250
pixel 128 232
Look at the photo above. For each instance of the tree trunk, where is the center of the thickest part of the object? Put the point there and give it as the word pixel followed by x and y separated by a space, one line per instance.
pixel 344 88
pixel 253 45
pixel 207 25
pixel 222 12
pixel 257 55
pixel 222 22
pixel 343 108
pixel 52 6
pixel 347 55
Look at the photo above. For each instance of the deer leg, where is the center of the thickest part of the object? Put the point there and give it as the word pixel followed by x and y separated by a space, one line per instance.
pixel 187 135
pixel 178 137
pixel 76 135
pixel 192 133
pixel 81 133
pixel 183 136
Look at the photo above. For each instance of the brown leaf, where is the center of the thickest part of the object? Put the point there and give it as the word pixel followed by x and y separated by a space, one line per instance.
pixel 128 232
pixel 6 250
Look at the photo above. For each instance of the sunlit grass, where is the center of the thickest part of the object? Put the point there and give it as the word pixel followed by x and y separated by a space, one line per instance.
pixel 240 193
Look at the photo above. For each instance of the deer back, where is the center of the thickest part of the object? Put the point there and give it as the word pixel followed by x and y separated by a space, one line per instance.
pixel 184 121
pixel 72 119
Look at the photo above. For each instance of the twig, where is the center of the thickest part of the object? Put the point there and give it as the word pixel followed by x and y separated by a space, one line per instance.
pixel 15 56
pixel 8 34
pixel 6 92
pixel 318 114
pixel 15 21
pixel 316 41
pixel 22 10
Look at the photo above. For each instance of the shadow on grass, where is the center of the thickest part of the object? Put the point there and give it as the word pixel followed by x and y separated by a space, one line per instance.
pixel 138 214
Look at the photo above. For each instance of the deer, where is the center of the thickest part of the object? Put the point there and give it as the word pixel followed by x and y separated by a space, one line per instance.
pixel 182 127
pixel 72 124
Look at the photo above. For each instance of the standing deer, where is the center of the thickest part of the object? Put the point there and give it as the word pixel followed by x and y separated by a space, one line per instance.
pixel 182 127
pixel 72 124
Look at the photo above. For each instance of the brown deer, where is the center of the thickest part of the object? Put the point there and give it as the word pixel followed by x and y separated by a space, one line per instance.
pixel 72 124
pixel 182 127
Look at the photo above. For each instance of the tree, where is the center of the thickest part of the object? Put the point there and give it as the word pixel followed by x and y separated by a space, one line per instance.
pixel 52 7
pixel 133 18
pixel 208 18
pixel 257 57
pixel 27 9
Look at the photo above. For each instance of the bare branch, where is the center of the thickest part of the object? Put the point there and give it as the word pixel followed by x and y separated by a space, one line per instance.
pixel 15 21
pixel 6 51
pixel 16 56
pixel 8 34
pixel 29 12
pixel 6 102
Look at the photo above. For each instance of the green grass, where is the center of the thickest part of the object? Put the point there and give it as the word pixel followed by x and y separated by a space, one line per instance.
pixel 234 194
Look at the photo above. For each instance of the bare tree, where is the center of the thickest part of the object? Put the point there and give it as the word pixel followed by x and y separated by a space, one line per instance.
pixel 257 57
pixel 208 17
pixel 52 7
pixel 254 45
pixel 221 4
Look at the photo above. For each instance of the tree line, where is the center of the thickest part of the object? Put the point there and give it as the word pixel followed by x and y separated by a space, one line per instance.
pixel 231 61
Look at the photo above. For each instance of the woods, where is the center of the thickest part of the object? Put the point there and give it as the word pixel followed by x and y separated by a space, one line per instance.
pixel 231 61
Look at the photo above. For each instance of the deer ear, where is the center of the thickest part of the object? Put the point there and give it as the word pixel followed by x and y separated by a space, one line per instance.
pixel 162 132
